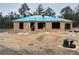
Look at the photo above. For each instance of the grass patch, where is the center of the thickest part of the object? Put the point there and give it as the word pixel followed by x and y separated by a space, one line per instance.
pixel 4 30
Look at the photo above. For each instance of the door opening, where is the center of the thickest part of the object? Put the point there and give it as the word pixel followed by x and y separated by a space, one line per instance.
pixel 67 26
pixel 32 26
pixel 41 25
pixel 21 25
pixel 55 25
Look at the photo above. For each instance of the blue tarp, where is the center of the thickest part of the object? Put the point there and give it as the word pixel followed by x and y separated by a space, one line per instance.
pixel 31 18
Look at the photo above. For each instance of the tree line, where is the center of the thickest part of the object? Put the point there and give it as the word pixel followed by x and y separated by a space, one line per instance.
pixel 66 13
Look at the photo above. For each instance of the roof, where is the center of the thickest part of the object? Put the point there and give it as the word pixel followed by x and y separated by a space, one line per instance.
pixel 40 18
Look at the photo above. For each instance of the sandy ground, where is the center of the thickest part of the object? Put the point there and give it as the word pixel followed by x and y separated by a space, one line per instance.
pixel 41 43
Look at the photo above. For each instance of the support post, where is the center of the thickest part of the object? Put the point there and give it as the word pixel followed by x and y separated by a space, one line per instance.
pixel 62 26
pixel 26 26
pixel 16 26
pixel 48 26
pixel 71 27
pixel 36 26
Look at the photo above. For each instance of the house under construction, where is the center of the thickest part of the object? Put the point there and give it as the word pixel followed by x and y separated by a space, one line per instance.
pixel 41 23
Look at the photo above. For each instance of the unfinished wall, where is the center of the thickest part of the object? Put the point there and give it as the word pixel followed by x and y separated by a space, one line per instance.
pixel 36 26
pixel 71 26
pixel 62 26
pixel 26 26
pixel 48 26
pixel 16 26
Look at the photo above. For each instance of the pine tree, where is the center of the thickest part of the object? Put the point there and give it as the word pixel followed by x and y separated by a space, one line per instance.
pixel 49 12
pixel 39 9
pixel 24 10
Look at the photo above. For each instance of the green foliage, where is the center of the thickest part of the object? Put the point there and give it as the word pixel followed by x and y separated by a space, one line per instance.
pixel 39 9
pixel 6 21
pixel 2 21
pixel 76 16
pixel 50 12
pixel 66 13
pixel 24 10
pixel 71 14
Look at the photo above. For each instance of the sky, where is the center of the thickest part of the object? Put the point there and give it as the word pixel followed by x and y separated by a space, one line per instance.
pixel 6 8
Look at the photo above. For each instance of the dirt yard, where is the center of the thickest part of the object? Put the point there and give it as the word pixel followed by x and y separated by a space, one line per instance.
pixel 37 43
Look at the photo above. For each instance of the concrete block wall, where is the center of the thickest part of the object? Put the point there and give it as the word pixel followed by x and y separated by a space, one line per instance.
pixel 71 26
pixel 16 26
pixel 26 26
pixel 62 26
pixel 48 26
pixel 36 26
